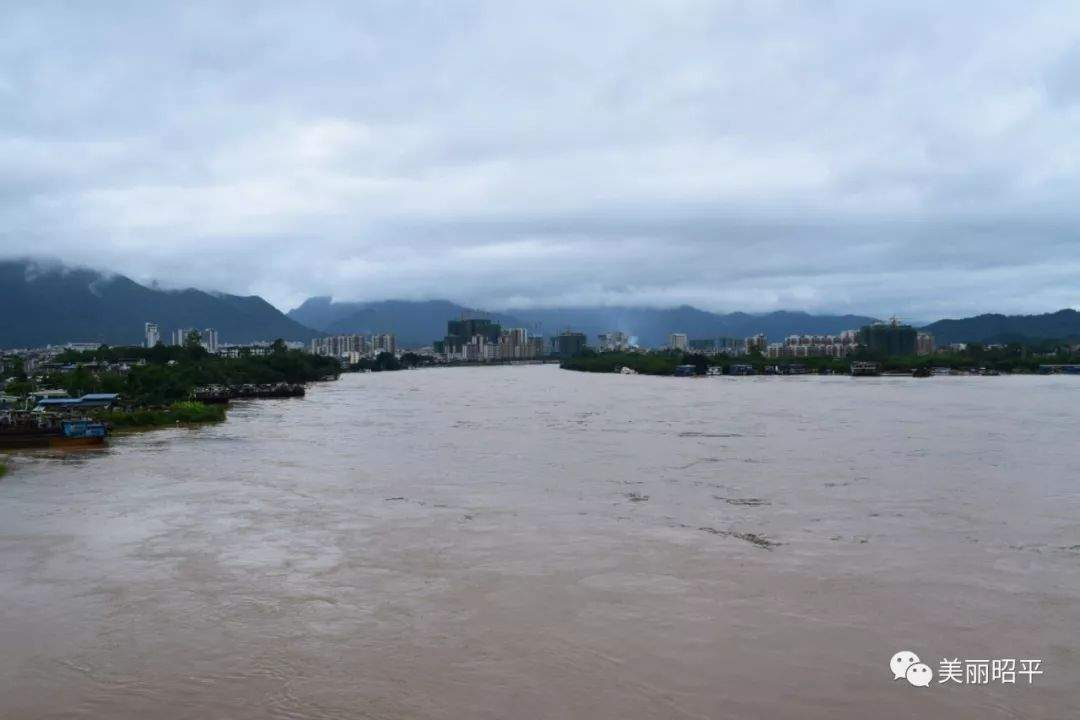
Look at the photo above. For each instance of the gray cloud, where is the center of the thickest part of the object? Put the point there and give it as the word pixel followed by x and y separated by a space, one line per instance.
pixel 870 157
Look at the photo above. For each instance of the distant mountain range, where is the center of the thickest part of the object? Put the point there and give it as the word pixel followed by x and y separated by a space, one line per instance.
pixel 46 303
pixel 1060 325
pixel 42 303
pixel 419 323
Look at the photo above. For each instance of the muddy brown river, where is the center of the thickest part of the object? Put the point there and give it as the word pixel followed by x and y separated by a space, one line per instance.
pixel 528 542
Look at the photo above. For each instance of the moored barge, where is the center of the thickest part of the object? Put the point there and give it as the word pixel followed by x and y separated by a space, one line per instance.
pixel 862 368
pixel 31 430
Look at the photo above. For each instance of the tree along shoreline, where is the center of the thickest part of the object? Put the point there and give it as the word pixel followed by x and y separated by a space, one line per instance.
pixel 181 413
pixel 156 386
pixel 161 376
pixel 1015 358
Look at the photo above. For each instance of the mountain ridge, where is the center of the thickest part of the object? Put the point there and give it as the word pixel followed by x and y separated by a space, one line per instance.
pixel 998 328
pixel 423 321
pixel 49 303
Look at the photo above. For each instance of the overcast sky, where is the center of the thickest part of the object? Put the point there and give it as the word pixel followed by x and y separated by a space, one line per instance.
pixel 827 156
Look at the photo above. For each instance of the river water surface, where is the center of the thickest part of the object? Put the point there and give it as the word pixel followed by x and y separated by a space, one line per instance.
pixel 528 542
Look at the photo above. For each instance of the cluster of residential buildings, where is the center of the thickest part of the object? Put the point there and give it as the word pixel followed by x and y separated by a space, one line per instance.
pixel 466 340
pixel 803 346
pixel 483 340
pixel 480 339
pixel 207 338
pixel 353 347
pixel 890 338
pixel 33 361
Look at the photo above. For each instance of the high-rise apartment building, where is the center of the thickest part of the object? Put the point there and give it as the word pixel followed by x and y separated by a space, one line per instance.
pixel 678 341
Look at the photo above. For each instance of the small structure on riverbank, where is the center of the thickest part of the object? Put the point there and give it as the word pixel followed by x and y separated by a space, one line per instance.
pixel 90 400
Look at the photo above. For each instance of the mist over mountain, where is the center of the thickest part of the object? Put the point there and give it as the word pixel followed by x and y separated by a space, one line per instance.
pixel 996 328
pixel 48 303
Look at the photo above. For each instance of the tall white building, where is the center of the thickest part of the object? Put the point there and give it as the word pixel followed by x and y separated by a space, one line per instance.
pixel 678 341
pixel 341 345
pixel 385 342
pixel 152 334
pixel 209 340
pixel 179 336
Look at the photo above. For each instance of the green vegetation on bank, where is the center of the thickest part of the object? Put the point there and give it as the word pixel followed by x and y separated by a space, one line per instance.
pixel 164 375
pixel 181 412
pixel 1011 358
pixel 388 361
pixel 3 470
pixel 1014 357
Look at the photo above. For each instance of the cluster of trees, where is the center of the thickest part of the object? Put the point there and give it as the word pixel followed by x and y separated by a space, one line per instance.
pixel 147 417
pixel 388 361
pixel 170 373
pixel 1012 358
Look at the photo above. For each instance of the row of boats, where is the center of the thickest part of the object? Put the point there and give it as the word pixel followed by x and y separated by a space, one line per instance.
pixel 221 394
pixel 859 368
pixel 928 372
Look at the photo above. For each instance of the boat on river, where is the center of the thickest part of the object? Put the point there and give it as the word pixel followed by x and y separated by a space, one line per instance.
pixel 862 368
